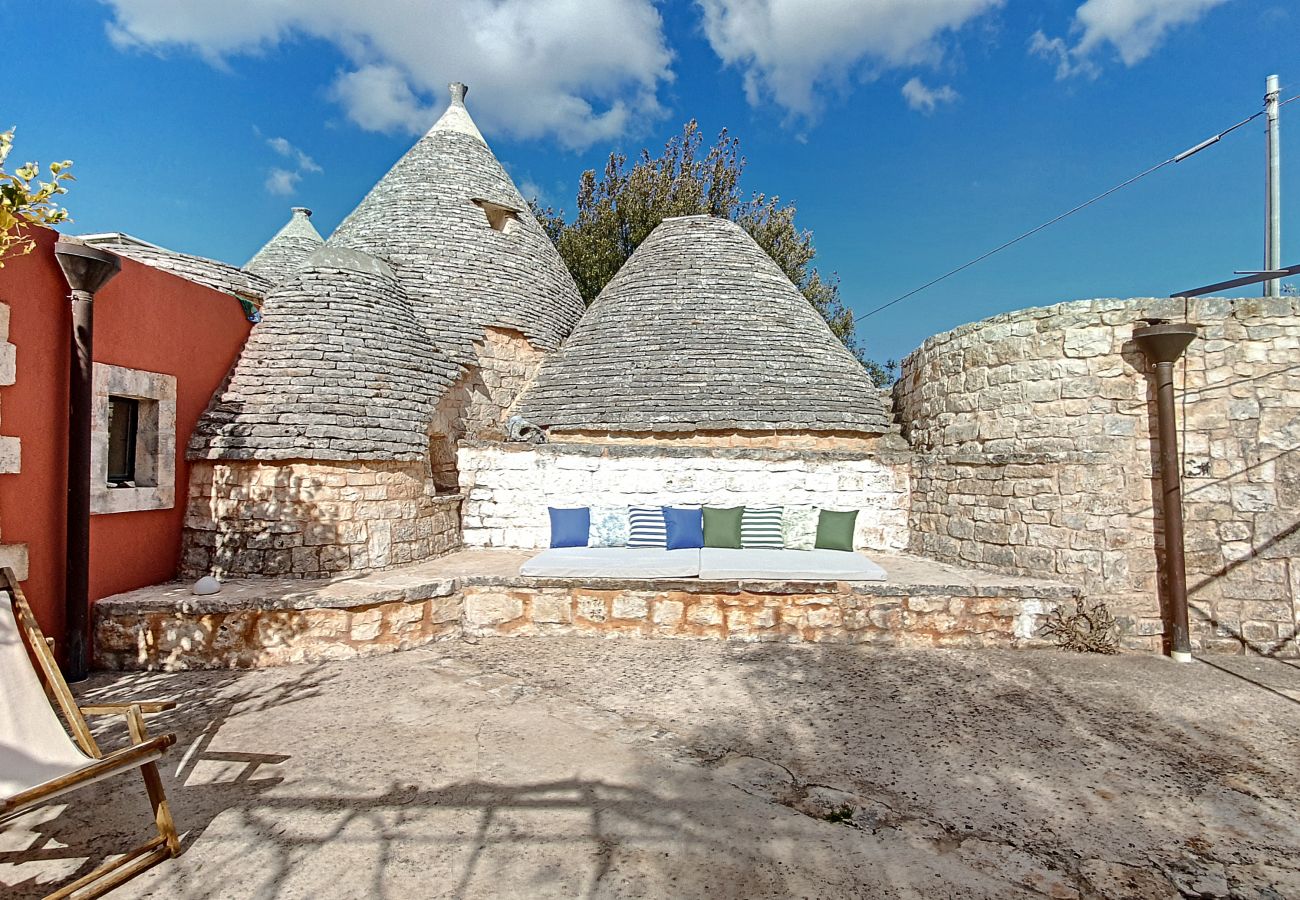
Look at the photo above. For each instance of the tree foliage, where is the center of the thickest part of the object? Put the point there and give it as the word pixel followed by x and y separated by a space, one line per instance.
pixel 22 205
pixel 617 210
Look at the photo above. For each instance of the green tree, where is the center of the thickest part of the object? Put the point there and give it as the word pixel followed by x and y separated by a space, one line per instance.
pixel 618 210
pixel 22 205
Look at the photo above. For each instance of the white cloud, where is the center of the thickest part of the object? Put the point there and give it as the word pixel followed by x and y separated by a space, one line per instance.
pixel 788 48
pixel 304 162
pixel 379 98
pixel 282 182
pixel 577 70
pixel 923 98
pixel 1134 28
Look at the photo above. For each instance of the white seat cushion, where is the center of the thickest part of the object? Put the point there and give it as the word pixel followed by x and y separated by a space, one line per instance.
pixel 613 562
pixel 719 564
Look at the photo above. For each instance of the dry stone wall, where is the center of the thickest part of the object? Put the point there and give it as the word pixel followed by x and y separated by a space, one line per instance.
pixel 1036 454
pixel 478 404
pixel 508 487
pixel 313 519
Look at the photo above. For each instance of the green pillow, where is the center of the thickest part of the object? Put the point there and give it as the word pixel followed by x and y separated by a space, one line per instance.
pixel 834 530
pixel 722 526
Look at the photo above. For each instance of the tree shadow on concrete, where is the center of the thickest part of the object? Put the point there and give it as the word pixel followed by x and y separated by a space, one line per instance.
pixel 977 773
pixel 258 831
pixel 82 829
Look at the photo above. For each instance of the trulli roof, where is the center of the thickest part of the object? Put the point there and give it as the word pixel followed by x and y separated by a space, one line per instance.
pixel 338 368
pixel 463 242
pixel 289 249
pixel 700 330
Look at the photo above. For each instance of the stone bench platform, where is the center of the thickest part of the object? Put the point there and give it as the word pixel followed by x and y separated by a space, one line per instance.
pixel 274 621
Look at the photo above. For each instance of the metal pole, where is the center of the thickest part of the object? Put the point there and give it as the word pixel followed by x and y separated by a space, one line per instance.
pixel 1172 488
pixel 86 269
pixel 1273 202
pixel 77 585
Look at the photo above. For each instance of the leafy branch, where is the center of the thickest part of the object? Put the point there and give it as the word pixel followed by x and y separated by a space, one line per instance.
pixel 23 205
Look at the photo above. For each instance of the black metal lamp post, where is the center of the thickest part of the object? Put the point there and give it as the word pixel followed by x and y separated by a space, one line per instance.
pixel 87 269
pixel 1163 342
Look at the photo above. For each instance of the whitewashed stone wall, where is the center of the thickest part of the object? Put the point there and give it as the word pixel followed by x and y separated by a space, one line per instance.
pixel 508 487
pixel 1036 454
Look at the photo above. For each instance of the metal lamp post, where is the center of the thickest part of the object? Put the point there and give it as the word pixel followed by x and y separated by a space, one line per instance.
pixel 1163 342
pixel 86 269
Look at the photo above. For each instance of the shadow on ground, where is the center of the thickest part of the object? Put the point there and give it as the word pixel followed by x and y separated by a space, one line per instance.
pixel 572 767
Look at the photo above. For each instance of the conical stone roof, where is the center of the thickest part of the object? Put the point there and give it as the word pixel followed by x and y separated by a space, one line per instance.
pixel 289 249
pixel 701 331
pixel 338 368
pixel 463 242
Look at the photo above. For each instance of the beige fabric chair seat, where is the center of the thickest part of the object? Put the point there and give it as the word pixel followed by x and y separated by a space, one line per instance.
pixel 40 760
pixel 34 747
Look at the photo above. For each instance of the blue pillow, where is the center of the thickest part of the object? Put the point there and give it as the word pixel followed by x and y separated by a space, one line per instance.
pixel 570 527
pixel 685 528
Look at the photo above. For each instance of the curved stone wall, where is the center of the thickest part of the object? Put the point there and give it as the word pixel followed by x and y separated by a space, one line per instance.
pixel 313 519
pixel 1035 440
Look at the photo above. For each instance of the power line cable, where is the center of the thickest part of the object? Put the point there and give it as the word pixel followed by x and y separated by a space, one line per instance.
pixel 1214 139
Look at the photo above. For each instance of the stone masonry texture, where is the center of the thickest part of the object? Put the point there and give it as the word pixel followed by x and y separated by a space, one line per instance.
pixel 339 368
pixel 478 593
pixel 461 273
pixel 508 487
pixel 701 331
pixel 310 519
pixel 1036 452
pixel 288 249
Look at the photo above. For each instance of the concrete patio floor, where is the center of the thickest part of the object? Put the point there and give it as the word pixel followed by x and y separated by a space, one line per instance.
pixel 571 767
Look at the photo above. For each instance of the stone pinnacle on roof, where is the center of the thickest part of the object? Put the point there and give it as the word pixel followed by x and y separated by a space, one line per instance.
pixel 701 331
pixel 463 242
pixel 339 368
pixel 290 247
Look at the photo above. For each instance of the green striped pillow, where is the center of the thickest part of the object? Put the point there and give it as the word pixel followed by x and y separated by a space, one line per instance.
pixel 760 527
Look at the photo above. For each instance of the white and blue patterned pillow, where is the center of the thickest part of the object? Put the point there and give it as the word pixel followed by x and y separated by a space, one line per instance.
pixel 647 527
pixel 760 527
pixel 610 526
pixel 799 527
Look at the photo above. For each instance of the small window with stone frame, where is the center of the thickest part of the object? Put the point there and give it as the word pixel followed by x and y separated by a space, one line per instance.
pixel 123 436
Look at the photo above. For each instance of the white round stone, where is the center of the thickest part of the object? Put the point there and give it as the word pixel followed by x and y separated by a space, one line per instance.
pixel 207 585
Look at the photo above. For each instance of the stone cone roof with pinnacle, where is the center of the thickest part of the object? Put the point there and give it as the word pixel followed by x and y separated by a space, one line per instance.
pixel 463 242
pixel 338 368
pixel 289 249
pixel 701 331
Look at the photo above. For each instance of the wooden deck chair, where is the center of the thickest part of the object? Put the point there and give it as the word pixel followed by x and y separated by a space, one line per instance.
pixel 40 761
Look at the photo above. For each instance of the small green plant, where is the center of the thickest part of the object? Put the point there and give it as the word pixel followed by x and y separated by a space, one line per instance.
pixel 22 205
pixel 840 814
pixel 1089 629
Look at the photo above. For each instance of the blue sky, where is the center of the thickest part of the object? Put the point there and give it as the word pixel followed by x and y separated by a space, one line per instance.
pixel 913 134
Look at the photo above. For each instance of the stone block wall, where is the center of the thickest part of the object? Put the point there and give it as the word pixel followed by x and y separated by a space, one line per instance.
pixel 508 487
pixel 1034 434
pixel 12 555
pixel 478 404
pixel 313 519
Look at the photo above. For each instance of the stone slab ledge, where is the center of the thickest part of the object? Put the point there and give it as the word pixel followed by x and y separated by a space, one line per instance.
pixel 667 451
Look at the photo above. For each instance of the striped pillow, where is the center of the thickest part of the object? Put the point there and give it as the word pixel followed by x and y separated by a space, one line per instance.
pixel 761 527
pixel 647 527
